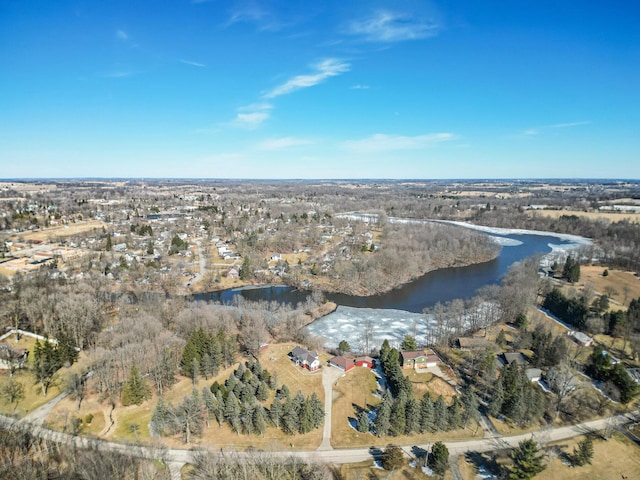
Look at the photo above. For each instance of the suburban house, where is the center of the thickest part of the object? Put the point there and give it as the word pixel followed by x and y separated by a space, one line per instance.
pixel 365 361
pixel 514 357
pixel 305 358
pixel 12 358
pixel 342 363
pixel 418 359
pixel 580 338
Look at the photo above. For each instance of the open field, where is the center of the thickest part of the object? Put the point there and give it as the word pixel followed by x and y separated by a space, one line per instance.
pixel 611 216
pixel 615 458
pixel 61 231
pixel 621 286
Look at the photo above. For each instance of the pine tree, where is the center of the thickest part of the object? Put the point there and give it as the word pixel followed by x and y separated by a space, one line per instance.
pixel 398 417
pixel 262 393
pixel 135 391
pixel 46 363
pixel 383 418
pixel 306 417
pixel 363 424
pixel 526 462
pixel 412 412
pixel 426 414
pixel 275 413
pixel 232 412
pixel 470 404
pixel 439 458
pixel 440 415
pixel 259 420
pixel 317 409
pixel 162 419
pixel 392 457
pixel 497 399
pixel 583 452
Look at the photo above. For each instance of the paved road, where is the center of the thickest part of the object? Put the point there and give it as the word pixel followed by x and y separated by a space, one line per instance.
pixel 177 457
pixel 40 414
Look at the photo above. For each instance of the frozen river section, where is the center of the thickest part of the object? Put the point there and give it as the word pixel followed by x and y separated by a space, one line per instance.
pixel 397 313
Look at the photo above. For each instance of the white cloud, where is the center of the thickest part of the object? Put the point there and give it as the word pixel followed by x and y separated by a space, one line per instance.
pixel 381 142
pixel 360 87
pixel 529 132
pixel 122 35
pixel 251 116
pixel 386 26
pixel 325 69
pixel 192 63
pixel 281 143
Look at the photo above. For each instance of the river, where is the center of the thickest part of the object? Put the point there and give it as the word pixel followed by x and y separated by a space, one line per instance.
pixel 398 312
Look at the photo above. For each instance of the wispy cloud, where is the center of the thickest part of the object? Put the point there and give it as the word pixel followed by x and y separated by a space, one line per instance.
pixel 282 143
pixel 386 26
pixel 251 116
pixel 538 130
pixel 381 142
pixel 192 63
pixel 325 69
pixel 122 35
pixel 118 74
pixel 255 13
pixel 360 87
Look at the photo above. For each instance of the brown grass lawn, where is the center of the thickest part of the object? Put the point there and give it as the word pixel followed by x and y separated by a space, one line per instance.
pixel 613 217
pixel 362 470
pixel 62 231
pixel 612 459
pixel 427 382
pixel 274 359
pixel 616 280
pixel 356 388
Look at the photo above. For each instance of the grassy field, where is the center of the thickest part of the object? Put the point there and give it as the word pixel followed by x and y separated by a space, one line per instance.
pixel 621 286
pixel 615 458
pixel 61 231
pixel 611 216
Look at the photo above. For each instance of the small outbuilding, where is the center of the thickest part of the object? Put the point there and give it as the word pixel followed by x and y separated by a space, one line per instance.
pixel 365 361
pixel 581 339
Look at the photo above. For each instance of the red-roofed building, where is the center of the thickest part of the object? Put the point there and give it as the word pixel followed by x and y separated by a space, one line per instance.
pixel 365 362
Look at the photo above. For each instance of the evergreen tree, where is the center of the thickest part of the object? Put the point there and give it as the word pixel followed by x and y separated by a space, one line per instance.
pixel 343 347
pixel 162 421
pixel 470 404
pixel 398 417
pixel 135 391
pixel 363 424
pixel 426 414
pixel 440 415
pixel 412 412
pixel 317 409
pixel 383 418
pixel 306 421
pixel 67 353
pixel 408 343
pixel 275 413
pixel 262 393
pixel 392 457
pixel 46 363
pixel 583 452
pixel 526 462
pixel 232 412
pixel 439 458
pixel 259 420
pixel 455 413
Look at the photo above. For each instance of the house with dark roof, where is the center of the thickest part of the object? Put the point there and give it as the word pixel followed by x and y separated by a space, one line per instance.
pixel 418 359
pixel 305 358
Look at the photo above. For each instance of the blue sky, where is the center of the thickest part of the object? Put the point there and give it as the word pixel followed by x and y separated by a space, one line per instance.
pixel 312 89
